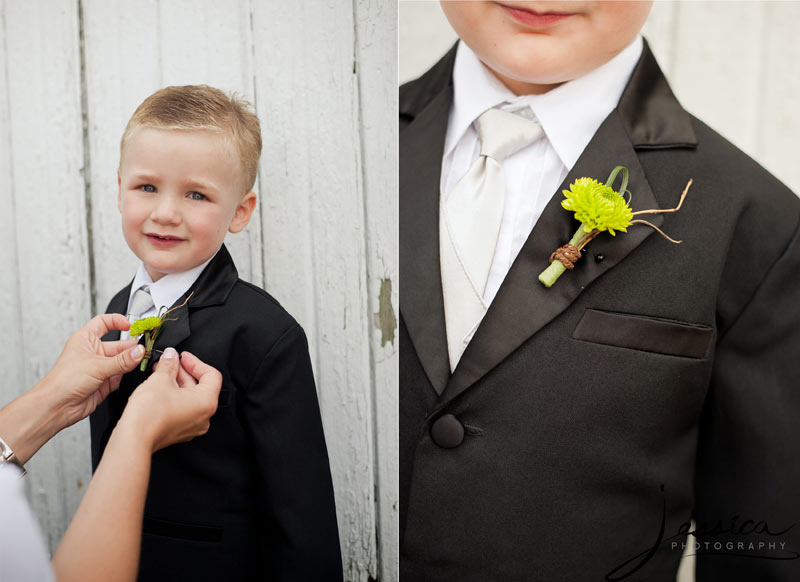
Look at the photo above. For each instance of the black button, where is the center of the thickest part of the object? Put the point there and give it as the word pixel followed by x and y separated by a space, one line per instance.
pixel 447 431
pixel 598 257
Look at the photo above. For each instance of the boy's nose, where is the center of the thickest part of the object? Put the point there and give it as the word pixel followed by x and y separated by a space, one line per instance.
pixel 166 211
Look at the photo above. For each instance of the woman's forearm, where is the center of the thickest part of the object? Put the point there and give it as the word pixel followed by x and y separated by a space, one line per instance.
pixel 28 422
pixel 104 538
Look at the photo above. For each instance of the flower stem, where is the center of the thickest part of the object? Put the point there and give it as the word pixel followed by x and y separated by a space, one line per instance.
pixel 151 335
pixel 147 347
pixel 551 274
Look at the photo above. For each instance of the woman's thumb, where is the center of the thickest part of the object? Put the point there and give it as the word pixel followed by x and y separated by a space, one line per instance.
pixel 169 363
pixel 122 363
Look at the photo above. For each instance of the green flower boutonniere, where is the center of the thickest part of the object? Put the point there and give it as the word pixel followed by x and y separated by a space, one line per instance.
pixel 599 208
pixel 151 327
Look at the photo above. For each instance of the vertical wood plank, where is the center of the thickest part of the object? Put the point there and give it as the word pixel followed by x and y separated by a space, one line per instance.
pixel 46 163
pixel 721 85
pixel 286 161
pixel 779 123
pixel 376 33
pixel 660 32
pixel 314 209
pixel 432 37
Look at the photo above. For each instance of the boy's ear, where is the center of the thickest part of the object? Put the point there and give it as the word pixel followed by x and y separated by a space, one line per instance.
pixel 243 212
pixel 119 191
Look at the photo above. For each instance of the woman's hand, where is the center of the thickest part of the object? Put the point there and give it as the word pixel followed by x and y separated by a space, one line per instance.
pixel 88 369
pixel 84 374
pixel 172 405
pixel 175 403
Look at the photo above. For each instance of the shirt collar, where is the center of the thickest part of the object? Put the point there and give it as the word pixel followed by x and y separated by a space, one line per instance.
pixel 570 114
pixel 169 288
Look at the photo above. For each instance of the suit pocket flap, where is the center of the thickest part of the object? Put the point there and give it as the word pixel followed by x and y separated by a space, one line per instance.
pixel 640 332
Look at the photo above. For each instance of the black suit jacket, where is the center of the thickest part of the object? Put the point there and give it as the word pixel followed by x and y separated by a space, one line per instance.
pixel 252 499
pixel 654 383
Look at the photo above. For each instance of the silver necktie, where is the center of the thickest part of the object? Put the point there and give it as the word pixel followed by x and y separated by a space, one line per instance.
pixel 141 303
pixel 470 222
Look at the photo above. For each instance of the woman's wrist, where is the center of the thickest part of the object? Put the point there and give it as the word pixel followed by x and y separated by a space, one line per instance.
pixel 136 430
pixel 28 422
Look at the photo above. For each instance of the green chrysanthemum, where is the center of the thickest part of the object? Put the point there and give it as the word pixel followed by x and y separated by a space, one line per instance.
pixel 143 325
pixel 597 206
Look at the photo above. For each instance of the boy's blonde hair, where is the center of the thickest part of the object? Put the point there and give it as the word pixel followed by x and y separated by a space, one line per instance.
pixel 196 107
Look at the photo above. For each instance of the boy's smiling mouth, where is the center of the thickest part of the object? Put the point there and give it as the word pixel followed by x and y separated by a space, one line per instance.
pixel 534 18
pixel 163 240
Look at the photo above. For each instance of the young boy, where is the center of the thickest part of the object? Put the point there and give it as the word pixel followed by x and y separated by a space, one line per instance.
pixel 253 498
pixel 572 432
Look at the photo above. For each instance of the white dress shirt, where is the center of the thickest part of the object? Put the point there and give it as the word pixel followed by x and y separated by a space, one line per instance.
pixel 166 291
pixel 569 114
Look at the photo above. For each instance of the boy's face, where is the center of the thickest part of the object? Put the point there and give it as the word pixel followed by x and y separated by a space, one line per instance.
pixel 535 46
pixel 179 193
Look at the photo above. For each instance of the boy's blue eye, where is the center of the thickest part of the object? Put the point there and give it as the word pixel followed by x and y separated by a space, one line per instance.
pixel 196 196
pixel 148 188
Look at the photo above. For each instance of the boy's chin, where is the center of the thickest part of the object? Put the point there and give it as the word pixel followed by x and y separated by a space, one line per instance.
pixel 524 81
pixel 547 71
pixel 159 270
pixel 156 274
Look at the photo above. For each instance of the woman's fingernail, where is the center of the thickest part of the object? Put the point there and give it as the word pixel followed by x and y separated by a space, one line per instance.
pixel 169 353
pixel 138 351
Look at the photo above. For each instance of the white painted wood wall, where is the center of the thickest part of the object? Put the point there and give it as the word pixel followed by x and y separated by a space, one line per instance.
pixel 732 64
pixel 323 240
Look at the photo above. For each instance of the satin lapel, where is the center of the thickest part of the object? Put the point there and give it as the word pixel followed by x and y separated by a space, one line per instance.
pixel 421 301
pixel 211 288
pixel 523 305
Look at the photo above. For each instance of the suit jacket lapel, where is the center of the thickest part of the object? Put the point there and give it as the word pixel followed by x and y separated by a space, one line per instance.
pixel 173 332
pixel 421 150
pixel 211 288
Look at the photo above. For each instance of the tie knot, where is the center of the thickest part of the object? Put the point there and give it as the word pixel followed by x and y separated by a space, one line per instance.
pixel 142 301
pixel 502 133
